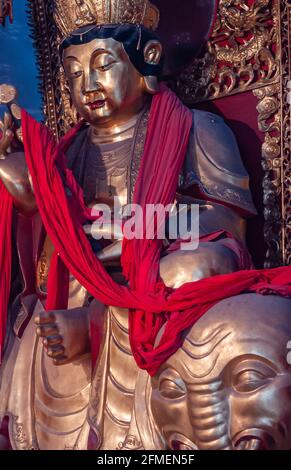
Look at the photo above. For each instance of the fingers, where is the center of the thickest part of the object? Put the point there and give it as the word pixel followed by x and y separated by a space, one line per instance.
pixel 59 361
pixel 46 325
pixel 45 318
pixel 55 348
pixel 56 352
pixel 47 330
pixel 53 340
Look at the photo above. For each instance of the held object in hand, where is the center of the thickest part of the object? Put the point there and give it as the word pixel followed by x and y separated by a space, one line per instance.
pixel 8 96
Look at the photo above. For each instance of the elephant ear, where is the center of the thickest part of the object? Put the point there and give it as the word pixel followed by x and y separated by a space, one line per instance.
pixel 148 431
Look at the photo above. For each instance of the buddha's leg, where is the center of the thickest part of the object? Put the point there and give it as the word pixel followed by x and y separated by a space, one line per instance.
pixel 210 259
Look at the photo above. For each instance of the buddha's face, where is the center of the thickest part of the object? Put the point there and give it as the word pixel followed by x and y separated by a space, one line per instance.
pixel 229 386
pixel 105 86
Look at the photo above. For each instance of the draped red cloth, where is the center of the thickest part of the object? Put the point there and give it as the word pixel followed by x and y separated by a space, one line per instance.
pixel 151 304
pixel 5 258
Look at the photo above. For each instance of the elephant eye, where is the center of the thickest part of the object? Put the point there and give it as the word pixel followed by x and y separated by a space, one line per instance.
pixel 250 380
pixel 172 389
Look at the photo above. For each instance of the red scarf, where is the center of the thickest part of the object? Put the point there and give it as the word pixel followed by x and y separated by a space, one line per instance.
pixel 149 301
pixel 5 258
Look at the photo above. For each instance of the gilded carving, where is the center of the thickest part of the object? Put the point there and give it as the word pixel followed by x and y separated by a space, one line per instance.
pixel 19 435
pixel 274 121
pixel 242 53
pixel 286 134
pixel 269 122
pixel 70 14
pixel 83 13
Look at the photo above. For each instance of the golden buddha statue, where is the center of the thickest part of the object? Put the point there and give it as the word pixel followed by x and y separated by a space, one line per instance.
pixel 113 64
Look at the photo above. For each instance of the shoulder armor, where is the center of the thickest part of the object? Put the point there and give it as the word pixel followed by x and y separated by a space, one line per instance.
pixel 213 162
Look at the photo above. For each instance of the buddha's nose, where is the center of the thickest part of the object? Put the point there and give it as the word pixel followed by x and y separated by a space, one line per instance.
pixel 91 83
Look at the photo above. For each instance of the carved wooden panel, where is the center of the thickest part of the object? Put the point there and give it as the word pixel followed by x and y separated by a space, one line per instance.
pixel 241 55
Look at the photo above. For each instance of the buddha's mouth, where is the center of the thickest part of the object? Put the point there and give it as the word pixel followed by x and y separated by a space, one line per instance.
pixel 96 104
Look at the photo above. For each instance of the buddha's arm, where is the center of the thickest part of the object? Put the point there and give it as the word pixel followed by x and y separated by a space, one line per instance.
pixel 15 177
pixel 214 216
pixel 13 169
pixel 111 252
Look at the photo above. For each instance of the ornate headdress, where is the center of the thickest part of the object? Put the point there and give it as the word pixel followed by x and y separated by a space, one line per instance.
pixel 73 14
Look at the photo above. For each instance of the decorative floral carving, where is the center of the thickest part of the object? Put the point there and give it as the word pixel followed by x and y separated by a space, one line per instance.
pixel 269 109
pixel 286 130
pixel 242 53
pixel 130 443
pixel 19 436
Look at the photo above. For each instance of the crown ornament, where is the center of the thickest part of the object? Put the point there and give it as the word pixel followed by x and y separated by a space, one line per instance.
pixel 73 14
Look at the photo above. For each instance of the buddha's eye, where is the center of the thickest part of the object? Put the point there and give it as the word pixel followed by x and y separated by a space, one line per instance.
pixel 103 62
pixel 172 389
pixel 249 380
pixel 76 73
pixel 105 67
pixel 73 68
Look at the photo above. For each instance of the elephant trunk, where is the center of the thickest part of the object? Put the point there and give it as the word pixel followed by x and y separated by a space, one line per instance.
pixel 210 415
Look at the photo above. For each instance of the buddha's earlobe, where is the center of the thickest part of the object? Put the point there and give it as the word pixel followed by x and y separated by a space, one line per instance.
pixel 151 84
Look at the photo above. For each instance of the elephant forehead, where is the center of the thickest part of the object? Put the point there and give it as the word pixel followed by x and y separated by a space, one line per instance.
pixel 237 327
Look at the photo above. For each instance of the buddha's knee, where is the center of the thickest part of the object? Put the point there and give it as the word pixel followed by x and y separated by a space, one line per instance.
pixel 208 260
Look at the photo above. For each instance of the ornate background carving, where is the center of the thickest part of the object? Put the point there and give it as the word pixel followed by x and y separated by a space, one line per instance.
pixel 53 87
pixel 241 55
pixel 248 51
pixel 286 135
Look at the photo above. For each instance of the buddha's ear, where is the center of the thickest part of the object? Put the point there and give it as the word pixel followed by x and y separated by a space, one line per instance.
pixel 152 55
pixel 153 52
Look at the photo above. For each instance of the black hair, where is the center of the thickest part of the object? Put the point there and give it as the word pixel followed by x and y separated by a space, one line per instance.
pixel 133 37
